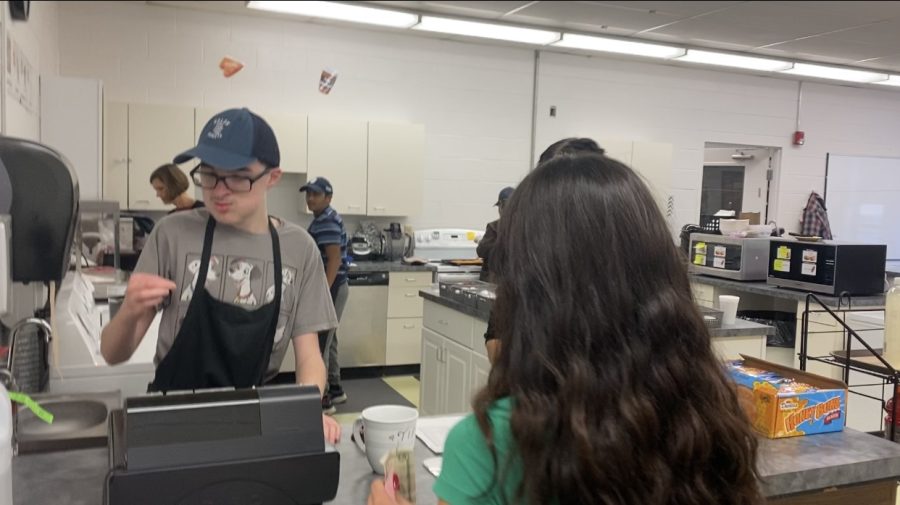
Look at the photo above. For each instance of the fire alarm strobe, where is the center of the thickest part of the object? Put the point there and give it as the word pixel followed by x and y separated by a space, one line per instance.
pixel 799 138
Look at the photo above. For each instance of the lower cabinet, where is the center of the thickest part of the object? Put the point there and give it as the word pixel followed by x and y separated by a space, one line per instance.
pixel 450 373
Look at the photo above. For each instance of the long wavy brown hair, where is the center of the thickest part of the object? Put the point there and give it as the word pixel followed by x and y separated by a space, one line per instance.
pixel 618 397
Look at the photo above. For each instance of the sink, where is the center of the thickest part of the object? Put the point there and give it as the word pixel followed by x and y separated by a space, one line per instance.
pixel 79 421
pixel 68 416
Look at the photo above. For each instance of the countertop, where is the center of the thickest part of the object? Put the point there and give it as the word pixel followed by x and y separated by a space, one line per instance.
pixel 740 328
pixel 388 266
pixel 761 288
pixel 787 466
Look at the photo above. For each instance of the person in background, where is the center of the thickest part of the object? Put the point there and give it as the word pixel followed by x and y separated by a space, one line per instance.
pixel 606 388
pixel 172 186
pixel 484 249
pixel 236 285
pixel 327 229
pixel 567 146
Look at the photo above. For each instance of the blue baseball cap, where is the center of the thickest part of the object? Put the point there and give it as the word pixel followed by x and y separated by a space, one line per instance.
pixel 234 139
pixel 504 195
pixel 318 185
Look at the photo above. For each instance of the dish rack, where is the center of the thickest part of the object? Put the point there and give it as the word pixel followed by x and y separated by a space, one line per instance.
pixel 867 361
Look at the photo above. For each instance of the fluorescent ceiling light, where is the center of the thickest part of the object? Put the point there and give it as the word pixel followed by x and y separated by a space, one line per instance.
pixel 734 60
pixel 892 80
pixel 486 30
pixel 838 74
pixel 339 11
pixel 619 46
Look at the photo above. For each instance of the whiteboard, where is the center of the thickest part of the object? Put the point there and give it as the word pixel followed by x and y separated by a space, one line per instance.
pixel 863 200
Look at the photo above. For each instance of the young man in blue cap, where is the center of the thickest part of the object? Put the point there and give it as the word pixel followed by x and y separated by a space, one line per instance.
pixel 327 229
pixel 235 285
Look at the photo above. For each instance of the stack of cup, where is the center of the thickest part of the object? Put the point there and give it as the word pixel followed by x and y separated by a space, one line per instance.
pixel 729 305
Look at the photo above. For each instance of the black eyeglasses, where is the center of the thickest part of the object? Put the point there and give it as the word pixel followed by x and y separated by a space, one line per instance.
pixel 237 183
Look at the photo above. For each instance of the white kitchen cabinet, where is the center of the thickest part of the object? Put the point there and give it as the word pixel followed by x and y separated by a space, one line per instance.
pixel 396 154
pixel 338 151
pixel 457 365
pixel 115 153
pixel 431 374
pixel 480 370
pixel 72 123
pixel 404 341
pixel 617 149
pixel 290 131
pixel 653 160
pixel 156 133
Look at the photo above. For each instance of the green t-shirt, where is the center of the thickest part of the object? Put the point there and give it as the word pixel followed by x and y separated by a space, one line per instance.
pixel 468 473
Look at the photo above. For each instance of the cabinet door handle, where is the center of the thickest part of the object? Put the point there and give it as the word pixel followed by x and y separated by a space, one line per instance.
pixel 409 326
pixel 354 206
pixel 377 208
pixel 410 295
pixel 410 279
pixel 142 201
pixel 441 321
pixel 120 160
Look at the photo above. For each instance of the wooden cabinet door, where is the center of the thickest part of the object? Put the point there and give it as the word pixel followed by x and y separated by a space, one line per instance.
pixel 156 134
pixel 338 151
pixel 396 164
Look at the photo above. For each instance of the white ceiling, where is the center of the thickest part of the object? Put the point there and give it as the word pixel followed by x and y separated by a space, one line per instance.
pixel 855 33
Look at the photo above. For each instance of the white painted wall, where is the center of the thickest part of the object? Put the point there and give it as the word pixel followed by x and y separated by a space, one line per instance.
pixel 475 101
pixel 39 40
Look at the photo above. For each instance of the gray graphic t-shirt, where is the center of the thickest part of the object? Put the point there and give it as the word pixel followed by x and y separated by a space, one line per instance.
pixel 241 272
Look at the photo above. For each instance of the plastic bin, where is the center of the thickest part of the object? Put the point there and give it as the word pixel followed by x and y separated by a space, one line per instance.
pixel 785 324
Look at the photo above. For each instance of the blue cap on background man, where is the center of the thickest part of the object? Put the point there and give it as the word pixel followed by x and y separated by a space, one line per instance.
pixel 318 185
pixel 505 193
pixel 234 139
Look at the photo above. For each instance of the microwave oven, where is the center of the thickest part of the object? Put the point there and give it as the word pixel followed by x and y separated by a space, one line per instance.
pixel 740 259
pixel 827 267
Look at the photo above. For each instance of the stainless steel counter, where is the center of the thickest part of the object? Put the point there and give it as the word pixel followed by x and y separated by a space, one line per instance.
pixel 787 466
pixel 761 288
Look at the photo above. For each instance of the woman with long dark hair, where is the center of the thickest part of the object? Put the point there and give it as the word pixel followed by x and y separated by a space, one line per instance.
pixel 606 389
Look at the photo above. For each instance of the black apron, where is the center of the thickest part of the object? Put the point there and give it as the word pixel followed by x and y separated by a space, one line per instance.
pixel 218 344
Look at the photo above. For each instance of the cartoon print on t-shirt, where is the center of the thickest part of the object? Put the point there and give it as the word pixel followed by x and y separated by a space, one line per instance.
pixel 245 281
pixel 287 280
pixel 193 268
pixel 279 330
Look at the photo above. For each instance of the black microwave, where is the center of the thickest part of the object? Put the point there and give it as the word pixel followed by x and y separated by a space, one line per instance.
pixel 827 267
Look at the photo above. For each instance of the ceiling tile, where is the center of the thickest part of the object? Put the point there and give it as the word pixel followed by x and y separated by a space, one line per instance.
pixel 591 15
pixel 675 9
pixel 836 50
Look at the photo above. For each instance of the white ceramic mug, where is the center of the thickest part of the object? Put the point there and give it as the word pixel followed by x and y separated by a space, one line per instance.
pixel 383 428
pixel 729 305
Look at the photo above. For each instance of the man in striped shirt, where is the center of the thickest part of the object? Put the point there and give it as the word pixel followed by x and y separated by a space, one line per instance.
pixel 327 229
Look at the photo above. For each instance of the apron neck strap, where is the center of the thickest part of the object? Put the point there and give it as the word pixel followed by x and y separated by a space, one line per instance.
pixel 276 259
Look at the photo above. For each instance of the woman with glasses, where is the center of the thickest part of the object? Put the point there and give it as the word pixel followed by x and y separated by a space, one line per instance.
pixel 236 286
pixel 172 186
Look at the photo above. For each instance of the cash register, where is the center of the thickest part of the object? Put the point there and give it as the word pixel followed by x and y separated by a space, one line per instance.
pixel 260 445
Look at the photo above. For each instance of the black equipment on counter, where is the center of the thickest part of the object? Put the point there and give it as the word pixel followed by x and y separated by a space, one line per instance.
pixel 261 445
pixel 827 267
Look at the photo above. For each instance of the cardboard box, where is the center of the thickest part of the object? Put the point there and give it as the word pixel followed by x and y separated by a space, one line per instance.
pixel 793 413
pixel 754 217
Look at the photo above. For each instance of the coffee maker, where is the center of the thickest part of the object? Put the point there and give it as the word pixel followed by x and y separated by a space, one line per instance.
pixel 397 244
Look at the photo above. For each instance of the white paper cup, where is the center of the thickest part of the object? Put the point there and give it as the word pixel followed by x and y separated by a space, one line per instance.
pixel 728 305
pixel 383 428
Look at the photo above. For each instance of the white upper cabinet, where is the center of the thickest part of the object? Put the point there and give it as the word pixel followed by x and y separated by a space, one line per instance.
pixel 653 160
pixel 290 130
pixel 156 134
pixel 396 162
pixel 115 153
pixel 338 151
